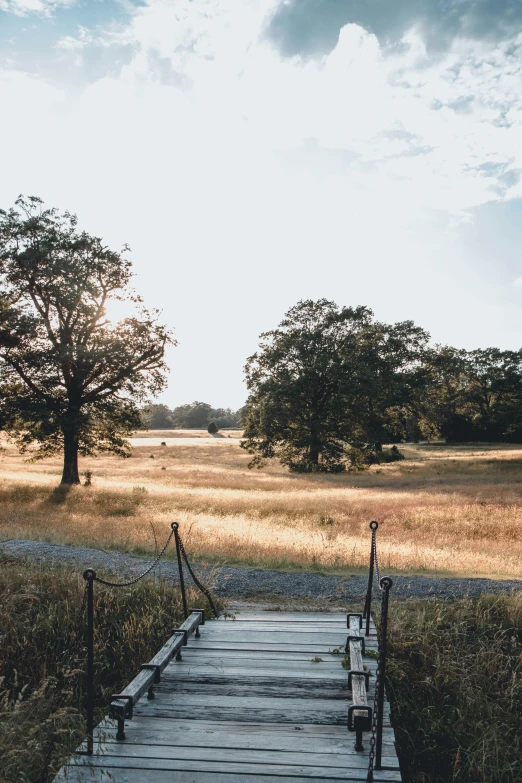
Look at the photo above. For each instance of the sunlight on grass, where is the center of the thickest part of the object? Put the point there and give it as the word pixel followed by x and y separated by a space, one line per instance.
pixel 445 509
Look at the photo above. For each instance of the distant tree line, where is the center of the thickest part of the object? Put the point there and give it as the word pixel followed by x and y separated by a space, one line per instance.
pixel 192 416
pixel 331 386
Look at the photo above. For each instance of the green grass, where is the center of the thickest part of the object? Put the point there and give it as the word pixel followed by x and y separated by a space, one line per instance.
pixel 42 659
pixel 455 685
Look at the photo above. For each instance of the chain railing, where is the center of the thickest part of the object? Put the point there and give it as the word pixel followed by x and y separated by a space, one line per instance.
pixel 91 577
pixel 377 712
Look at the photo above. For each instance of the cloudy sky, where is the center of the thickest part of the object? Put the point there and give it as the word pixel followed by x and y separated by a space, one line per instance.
pixel 256 152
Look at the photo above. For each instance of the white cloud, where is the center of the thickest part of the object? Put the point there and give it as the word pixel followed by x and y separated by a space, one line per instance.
pixel 83 38
pixel 27 7
pixel 188 152
pixel 518 282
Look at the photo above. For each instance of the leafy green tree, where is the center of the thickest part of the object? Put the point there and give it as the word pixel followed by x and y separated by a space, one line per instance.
pixel 193 416
pixel 326 378
pixel 157 417
pixel 444 405
pixel 391 381
pixel 475 395
pixel 225 418
pixel 70 379
pixel 493 393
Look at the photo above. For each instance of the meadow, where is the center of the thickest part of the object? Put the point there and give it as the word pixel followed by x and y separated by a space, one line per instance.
pixel 444 509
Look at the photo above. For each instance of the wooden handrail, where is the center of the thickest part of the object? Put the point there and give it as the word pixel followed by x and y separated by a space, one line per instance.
pixel 359 720
pixel 123 703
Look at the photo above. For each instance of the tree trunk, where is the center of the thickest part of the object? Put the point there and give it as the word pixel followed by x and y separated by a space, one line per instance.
pixel 70 473
pixel 314 450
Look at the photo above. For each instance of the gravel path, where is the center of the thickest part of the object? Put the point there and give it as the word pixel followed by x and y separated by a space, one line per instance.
pixel 250 582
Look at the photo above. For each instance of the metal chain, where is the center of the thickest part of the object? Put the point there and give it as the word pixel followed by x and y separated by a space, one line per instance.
pixel 376 558
pixel 198 584
pixel 371 757
pixel 137 579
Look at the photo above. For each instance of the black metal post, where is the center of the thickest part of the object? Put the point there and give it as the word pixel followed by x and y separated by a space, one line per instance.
pixel 386 584
pixel 89 576
pixel 175 527
pixel 368 603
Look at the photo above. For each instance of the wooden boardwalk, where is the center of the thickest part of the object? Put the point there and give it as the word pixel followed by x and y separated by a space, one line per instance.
pixel 259 698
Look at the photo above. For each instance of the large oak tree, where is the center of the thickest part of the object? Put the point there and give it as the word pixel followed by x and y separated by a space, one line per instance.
pixel 326 378
pixel 71 380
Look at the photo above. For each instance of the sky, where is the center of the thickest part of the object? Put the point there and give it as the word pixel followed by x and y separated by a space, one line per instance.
pixel 253 153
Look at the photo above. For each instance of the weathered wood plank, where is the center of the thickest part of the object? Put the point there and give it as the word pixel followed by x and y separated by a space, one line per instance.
pixel 244 768
pixel 252 687
pixel 250 709
pixel 81 775
pixel 263 756
pixel 305 738
pixel 302 617
pixel 231 644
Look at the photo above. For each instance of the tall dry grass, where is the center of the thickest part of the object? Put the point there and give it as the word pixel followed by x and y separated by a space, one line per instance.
pixel 448 510
pixel 43 659
pixel 455 685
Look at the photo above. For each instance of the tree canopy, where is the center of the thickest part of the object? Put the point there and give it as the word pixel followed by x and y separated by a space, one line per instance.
pixel 325 379
pixel 71 380
pixel 193 415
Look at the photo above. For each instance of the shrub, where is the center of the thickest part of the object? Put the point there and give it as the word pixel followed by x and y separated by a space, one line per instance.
pixel 360 457
pixel 213 428
pixel 390 455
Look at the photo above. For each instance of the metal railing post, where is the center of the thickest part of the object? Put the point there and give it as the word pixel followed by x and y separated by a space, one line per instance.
pixel 368 603
pixel 89 576
pixel 386 584
pixel 175 527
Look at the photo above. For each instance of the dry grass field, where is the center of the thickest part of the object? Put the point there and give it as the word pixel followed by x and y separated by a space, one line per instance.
pixel 444 509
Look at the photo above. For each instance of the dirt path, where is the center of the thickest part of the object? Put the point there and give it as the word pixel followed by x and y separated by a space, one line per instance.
pixel 236 582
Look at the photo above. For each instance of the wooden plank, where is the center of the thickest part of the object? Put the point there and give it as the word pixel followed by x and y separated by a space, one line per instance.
pixel 196 653
pixel 286 617
pixel 80 775
pixel 227 631
pixel 304 738
pixel 222 755
pixel 239 768
pixel 231 644
pixel 252 687
pixel 261 658
pixel 205 673
pixel 256 709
